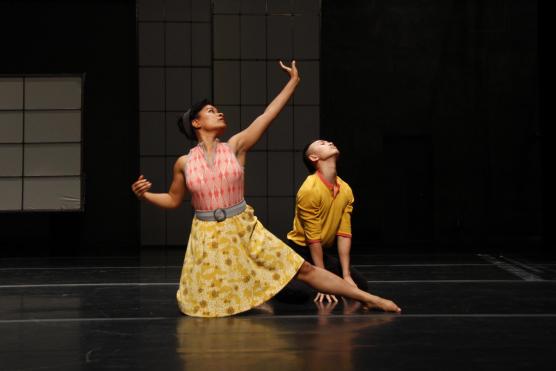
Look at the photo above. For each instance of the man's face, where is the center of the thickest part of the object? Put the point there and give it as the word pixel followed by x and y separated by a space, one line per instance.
pixel 322 150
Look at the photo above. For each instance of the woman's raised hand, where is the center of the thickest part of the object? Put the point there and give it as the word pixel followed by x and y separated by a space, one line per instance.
pixel 141 186
pixel 292 71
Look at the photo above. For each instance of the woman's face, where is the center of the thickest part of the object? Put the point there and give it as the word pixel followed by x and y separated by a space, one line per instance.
pixel 210 119
pixel 322 150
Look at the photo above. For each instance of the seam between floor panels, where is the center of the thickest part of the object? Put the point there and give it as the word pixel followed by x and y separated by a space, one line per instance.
pixel 296 316
pixel 116 284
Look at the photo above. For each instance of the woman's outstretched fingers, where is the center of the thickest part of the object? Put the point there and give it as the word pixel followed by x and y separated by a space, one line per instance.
pixel 292 71
pixel 294 67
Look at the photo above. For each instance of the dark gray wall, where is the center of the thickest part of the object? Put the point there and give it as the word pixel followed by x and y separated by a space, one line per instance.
pixel 435 107
pixel 227 51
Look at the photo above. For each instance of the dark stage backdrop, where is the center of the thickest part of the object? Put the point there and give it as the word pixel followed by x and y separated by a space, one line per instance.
pixel 97 38
pixel 434 105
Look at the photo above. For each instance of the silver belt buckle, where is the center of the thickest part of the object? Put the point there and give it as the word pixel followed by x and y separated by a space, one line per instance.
pixel 219 215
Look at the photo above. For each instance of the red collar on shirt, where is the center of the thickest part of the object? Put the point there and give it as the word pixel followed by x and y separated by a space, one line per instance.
pixel 335 188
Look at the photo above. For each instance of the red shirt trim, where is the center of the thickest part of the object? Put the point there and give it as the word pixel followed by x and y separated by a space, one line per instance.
pixel 312 241
pixel 333 187
pixel 348 235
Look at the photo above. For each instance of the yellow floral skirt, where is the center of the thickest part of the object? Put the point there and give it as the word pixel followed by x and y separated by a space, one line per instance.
pixel 233 266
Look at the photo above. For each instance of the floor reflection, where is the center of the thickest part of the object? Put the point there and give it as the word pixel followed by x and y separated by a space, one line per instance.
pixel 276 343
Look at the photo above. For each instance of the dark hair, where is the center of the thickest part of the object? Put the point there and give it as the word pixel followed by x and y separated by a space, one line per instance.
pixel 184 122
pixel 306 160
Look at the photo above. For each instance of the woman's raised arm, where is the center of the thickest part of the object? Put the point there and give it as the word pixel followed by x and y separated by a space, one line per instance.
pixel 247 138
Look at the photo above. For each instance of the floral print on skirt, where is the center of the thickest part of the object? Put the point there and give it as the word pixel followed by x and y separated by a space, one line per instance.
pixel 233 266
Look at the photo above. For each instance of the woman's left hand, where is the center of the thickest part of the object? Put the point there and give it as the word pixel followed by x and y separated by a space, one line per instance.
pixel 292 71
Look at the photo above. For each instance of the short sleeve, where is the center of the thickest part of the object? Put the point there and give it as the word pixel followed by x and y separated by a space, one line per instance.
pixel 308 205
pixel 345 223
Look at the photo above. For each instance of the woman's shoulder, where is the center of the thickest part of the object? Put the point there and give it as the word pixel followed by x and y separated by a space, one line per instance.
pixel 181 160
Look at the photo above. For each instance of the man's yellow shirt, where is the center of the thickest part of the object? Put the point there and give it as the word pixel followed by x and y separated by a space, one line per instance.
pixel 323 211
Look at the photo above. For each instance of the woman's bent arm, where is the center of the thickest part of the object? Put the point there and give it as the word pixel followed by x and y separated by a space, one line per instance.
pixel 175 195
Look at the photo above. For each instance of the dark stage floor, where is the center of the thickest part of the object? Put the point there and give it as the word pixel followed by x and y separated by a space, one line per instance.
pixel 459 312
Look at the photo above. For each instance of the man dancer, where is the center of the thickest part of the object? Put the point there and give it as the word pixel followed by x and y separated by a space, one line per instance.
pixel 323 219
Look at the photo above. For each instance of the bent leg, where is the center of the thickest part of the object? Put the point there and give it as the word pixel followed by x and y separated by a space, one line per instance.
pixel 329 283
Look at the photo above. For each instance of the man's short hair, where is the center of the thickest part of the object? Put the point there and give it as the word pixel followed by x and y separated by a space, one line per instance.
pixel 306 160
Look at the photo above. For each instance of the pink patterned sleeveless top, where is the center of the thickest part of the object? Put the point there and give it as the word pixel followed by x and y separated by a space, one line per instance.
pixel 214 183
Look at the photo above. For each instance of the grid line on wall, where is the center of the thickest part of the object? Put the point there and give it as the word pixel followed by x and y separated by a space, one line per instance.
pixel 267 83
pixel 171 98
pixel 23 146
pixel 165 100
pixel 285 141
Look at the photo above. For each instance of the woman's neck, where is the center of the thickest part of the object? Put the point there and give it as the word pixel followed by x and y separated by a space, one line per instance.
pixel 208 141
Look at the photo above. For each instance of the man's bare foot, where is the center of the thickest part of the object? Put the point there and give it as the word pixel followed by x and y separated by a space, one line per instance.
pixel 382 304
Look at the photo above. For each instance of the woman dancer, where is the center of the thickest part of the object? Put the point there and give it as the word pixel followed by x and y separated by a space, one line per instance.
pixel 232 263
